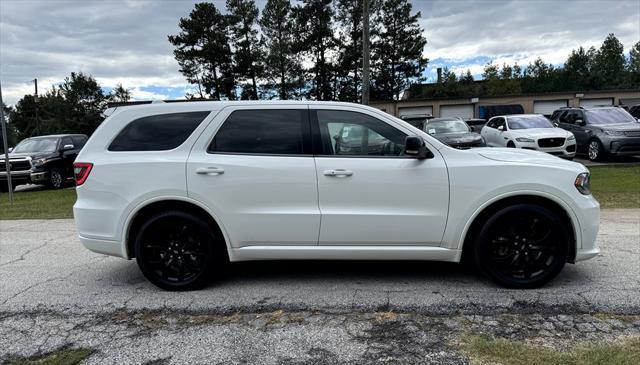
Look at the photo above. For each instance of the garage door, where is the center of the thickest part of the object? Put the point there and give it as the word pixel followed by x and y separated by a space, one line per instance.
pixel 547 107
pixel 415 110
pixel 596 102
pixel 464 111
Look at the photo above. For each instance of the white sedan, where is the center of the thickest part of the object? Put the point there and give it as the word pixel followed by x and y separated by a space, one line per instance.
pixel 530 132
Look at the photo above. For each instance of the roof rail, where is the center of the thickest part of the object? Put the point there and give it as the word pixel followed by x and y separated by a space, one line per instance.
pixel 141 102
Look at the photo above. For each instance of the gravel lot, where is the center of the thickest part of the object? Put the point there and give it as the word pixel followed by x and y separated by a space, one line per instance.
pixel 54 293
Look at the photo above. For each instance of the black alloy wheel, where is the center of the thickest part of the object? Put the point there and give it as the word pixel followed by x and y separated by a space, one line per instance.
pixel 522 246
pixel 175 251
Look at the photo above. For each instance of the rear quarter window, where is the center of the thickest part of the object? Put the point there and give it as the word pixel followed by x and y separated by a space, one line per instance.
pixel 157 132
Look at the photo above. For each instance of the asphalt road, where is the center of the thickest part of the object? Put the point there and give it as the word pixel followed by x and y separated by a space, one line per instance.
pixel 55 294
pixel 43 265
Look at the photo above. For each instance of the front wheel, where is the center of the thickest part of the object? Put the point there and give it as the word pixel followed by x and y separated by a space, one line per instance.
pixel 522 246
pixel 175 251
pixel 510 144
pixel 595 150
pixel 56 179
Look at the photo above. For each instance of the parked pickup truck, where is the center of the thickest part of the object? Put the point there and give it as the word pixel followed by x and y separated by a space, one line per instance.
pixel 42 160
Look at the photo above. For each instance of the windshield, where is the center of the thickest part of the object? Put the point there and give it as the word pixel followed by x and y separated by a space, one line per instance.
pixel 531 121
pixel 447 126
pixel 609 116
pixel 36 145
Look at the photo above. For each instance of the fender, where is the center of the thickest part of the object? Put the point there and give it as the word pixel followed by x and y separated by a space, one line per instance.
pixel 145 203
pixel 568 209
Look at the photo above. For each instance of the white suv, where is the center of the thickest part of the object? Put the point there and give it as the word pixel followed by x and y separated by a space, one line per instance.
pixel 185 187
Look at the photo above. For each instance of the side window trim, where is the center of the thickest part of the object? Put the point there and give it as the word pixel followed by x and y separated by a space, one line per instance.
pixel 307 140
pixel 319 146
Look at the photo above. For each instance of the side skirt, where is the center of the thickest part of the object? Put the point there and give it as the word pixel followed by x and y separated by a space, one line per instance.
pixel 344 253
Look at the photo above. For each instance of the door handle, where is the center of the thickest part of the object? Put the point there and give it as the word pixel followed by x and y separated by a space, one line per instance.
pixel 209 171
pixel 337 172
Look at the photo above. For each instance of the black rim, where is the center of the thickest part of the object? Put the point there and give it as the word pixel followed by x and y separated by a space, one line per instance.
pixel 56 179
pixel 174 250
pixel 523 247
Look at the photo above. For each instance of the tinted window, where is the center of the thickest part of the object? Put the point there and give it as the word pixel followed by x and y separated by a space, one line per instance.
pixel 351 133
pixel 79 141
pixel 157 132
pixel 272 132
pixel 66 141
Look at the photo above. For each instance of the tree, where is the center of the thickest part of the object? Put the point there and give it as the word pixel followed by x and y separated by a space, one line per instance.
pixel 120 94
pixel 243 17
pixel 609 62
pixel 316 40
pixel 577 70
pixel 349 65
pixel 282 67
pixel 634 59
pixel 203 52
pixel 397 60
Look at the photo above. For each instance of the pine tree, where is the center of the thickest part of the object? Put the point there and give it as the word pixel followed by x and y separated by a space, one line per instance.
pixel 203 52
pixel 397 60
pixel 609 61
pixel 282 66
pixel 316 41
pixel 243 17
pixel 349 66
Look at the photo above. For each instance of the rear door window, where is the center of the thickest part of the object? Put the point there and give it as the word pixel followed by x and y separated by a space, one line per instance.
pixel 263 132
pixel 157 132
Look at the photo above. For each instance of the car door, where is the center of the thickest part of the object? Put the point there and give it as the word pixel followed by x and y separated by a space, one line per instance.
pixel 488 133
pixel 501 137
pixel 567 121
pixel 371 193
pixel 68 155
pixel 254 169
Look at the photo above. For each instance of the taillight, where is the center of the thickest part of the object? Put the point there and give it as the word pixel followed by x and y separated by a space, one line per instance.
pixel 81 170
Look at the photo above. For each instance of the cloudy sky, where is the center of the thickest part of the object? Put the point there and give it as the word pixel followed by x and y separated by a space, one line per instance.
pixel 125 41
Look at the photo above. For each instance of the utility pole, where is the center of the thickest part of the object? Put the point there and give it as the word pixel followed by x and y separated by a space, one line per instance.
pixel 365 53
pixel 7 165
pixel 35 99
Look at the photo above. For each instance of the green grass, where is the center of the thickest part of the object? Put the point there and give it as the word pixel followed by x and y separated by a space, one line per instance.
pixel 63 356
pixel 616 187
pixel 500 351
pixel 43 204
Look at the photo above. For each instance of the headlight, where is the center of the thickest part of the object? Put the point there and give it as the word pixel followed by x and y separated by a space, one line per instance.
pixel 38 162
pixel 583 183
pixel 613 133
pixel 571 138
pixel 524 139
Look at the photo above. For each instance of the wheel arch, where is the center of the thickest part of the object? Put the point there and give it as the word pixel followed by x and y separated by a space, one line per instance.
pixel 474 225
pixel 148 208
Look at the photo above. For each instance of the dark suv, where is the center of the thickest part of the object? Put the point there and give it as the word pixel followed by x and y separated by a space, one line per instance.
pixel 601 131
pixel 43 160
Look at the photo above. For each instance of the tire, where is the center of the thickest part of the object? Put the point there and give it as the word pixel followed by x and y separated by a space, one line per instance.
pixel 510 144
pixel 595 150
pixel 56 179
pixel 522 246
pixel 175 251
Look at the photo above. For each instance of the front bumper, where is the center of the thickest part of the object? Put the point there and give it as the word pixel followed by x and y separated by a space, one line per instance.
pixel 567 150
pixel 621 146
pixel 589 218
pixel 39 177
pixel 17 177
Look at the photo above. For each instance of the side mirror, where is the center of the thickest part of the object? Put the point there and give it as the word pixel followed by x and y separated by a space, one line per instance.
pixel 580 122
pixel 414 146
pixel 501 128
pixel 10 149
pixel 556 124
pixel 68 147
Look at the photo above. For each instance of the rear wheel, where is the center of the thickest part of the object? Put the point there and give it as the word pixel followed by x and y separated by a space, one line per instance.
pixel 510 144
pixel 175 251
pixel 522 246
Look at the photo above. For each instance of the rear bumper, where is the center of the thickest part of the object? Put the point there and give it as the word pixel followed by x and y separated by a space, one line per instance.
pixel 105 247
